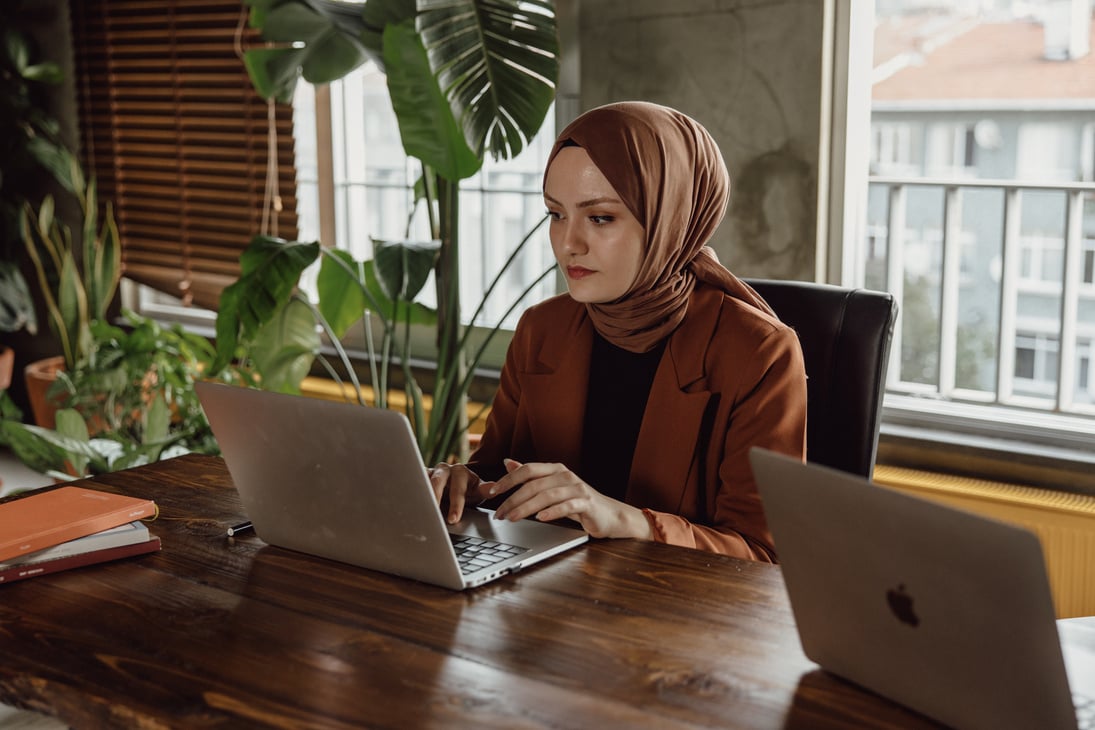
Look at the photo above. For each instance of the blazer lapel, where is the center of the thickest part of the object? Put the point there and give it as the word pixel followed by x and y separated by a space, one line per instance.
pixel 556 389
pixel 673 423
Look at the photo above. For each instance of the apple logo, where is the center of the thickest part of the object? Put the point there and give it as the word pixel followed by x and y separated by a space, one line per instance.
pixel 901 604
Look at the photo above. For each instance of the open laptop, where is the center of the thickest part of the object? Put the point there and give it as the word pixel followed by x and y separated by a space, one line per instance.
pixel 346 482
pixel 938 609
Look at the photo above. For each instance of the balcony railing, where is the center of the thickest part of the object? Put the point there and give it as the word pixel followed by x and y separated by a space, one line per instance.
pixel 997 325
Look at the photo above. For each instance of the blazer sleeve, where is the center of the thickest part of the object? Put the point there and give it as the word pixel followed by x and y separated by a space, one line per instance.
pixel 769 411
pixel 497 440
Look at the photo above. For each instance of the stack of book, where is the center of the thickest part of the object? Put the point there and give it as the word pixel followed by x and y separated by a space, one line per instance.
pixel 69 527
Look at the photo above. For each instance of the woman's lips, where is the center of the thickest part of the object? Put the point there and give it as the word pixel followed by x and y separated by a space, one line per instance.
pixel 578 272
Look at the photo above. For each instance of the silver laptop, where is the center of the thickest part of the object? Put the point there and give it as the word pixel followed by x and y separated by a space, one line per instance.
pixel 938 609
pixel 346 482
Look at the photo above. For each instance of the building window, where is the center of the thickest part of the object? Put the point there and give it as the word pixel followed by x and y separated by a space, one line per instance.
pixel 976 349
pixel 1047 152
pixel 1087 263
pixel 1041 259
pixel 892 147
pixel 951 149
pixel 1035 364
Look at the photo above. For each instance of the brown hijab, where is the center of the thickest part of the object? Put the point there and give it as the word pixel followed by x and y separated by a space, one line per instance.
pixel 670 174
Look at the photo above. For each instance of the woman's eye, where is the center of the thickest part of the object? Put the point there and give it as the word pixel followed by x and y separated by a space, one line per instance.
pixel 553 215
pixel 601 219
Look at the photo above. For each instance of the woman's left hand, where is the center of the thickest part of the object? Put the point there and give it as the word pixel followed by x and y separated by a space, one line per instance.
pixel 552 491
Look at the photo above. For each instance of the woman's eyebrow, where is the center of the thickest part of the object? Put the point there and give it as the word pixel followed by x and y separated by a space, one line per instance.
pixel 586 203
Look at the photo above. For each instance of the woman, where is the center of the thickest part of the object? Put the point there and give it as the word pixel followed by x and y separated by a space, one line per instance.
pixel 630 403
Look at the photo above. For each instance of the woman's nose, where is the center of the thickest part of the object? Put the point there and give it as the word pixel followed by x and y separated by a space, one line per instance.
pixel 571 240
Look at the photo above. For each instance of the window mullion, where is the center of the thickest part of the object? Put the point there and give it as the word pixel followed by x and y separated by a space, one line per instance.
pixel 1066 360
pixel 948 326
pixel 895 272
pixel 1009 292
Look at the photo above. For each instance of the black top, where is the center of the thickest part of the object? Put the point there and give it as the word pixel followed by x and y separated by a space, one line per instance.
pixel 619 385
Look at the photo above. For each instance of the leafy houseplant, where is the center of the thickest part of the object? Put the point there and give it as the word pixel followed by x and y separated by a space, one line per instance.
pixel 465 77
pixel 75 294
pixel 131 388
pixel 30 148
pixel 135 391
pixel 270 324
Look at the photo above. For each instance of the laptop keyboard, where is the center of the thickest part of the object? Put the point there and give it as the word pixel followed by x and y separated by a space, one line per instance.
pixel 474 553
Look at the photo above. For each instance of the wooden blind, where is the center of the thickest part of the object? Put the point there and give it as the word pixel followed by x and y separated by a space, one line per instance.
pixel 177 138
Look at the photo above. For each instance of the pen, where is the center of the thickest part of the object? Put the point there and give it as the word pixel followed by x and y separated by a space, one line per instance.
pixel 236 529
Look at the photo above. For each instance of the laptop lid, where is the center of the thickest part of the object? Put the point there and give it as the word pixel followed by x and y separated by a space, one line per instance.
pixel 347 482
pixel 938 609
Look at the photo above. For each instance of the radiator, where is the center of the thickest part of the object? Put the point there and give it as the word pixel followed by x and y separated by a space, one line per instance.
pixel 1065 524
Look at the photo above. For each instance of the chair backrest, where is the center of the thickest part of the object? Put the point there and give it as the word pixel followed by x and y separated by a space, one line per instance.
pixel 845 335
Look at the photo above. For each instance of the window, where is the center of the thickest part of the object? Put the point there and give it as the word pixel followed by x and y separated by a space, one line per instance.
pixel 373 195
pixel 1035 364
pixel 1041 259
pixel 1046 151
pixel 951 149
pixel 1085 383
pixel 1087 262
pixel 177 139
pixel 891 148
pixel 1004 200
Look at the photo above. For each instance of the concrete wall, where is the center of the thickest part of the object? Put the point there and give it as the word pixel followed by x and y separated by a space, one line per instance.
pixel 749 71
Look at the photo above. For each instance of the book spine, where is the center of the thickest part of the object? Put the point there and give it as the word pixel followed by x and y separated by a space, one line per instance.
pixel 72 530
pixel 126 534
pixel 19 572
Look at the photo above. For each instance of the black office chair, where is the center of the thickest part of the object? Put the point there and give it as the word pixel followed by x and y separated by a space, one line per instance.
pixel 845 336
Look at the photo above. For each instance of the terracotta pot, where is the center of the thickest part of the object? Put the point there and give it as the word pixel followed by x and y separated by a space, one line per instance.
pixel 7 365
pixel 40 375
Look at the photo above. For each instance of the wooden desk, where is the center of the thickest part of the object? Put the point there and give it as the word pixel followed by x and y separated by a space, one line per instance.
pixel 232 633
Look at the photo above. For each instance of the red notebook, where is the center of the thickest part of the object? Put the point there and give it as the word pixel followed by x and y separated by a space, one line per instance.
pixel 43 519
pixel 44 567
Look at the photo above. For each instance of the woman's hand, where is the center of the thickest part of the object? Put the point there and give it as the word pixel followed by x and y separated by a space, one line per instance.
pixel 460 485
pixel 552 491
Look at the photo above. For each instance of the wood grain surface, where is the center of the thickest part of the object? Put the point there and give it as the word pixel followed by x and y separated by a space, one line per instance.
pixel 220 632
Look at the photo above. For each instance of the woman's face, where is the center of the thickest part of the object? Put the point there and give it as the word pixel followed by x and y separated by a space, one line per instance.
pixel 598 243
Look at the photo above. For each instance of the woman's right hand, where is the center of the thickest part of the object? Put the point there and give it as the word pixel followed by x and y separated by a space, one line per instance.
pixel 460 485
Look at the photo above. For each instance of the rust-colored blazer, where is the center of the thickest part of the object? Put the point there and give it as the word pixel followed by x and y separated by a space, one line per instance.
pixel 730 378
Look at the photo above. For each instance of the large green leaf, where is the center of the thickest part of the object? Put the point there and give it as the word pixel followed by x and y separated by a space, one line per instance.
pixel 102 260
pixel 405 312
pixel 157 420
pixel 58 160
pixel 284 349
pixel 498 64
pixel 269 271
pixel 426 123
pixel 34 451
pixel 16 304
pixel 341 297
pixel 71 425
pixel 375 15
pixel 402 267
pixel 321 43
pixel 72 313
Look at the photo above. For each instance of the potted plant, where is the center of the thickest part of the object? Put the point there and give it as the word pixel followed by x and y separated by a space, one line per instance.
pixel 465 77
pixel 16 313
pixel 75 293
pixel 132 401
pixel 268 323
pixel 30 154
